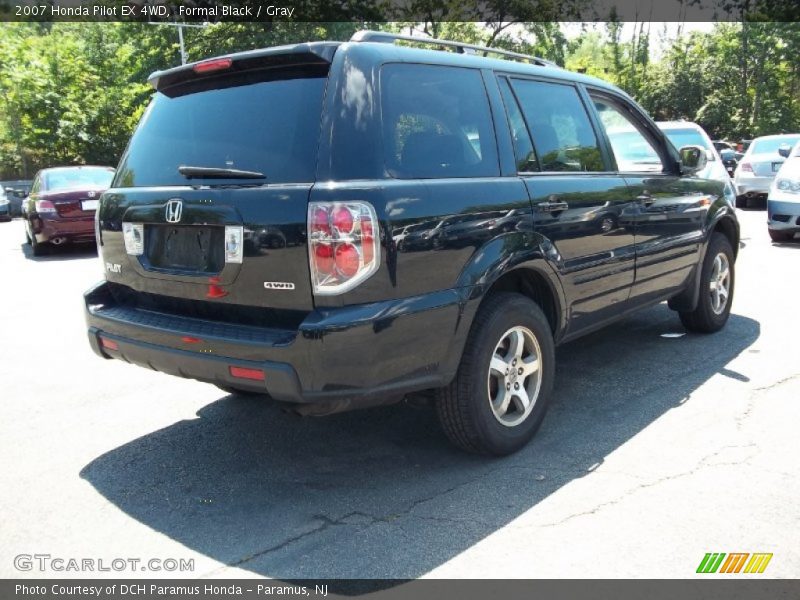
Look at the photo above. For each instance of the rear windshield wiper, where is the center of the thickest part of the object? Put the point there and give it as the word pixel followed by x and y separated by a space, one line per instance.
pixel 217 173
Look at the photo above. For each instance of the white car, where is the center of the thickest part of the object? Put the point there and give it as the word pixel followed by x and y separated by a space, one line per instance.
pixel 757 168
pixel 783 201
pixel 687 133
pixel 5 208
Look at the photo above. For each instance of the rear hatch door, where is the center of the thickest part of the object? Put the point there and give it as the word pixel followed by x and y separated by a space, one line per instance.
pixel 216 181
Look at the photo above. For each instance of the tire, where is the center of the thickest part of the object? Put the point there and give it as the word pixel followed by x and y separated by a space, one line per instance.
pixel 465 407
pixel 780 236
pixel 711 312
pixel 37 248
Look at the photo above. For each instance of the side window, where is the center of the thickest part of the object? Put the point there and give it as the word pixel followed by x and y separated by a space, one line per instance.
pixel 436 123
pixel 559 125
pixel 633 151
pixel 523 148
pixel 35 185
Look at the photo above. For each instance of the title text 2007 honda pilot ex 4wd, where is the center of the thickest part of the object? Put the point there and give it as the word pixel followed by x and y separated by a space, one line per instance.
pixel 247 237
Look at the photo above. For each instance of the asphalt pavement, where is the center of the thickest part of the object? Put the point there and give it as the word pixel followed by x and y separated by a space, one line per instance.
pixel 659 447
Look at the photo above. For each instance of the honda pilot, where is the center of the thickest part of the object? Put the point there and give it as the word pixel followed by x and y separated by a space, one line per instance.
pixel 247 237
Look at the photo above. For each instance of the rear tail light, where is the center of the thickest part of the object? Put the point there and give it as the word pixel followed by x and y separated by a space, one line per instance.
pixel 342 245
pixel 45 206
pixel 134 238
pixel 747 167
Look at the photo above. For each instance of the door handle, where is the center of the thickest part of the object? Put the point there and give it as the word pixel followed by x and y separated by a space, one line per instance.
pixel 645 199
pixel 552 206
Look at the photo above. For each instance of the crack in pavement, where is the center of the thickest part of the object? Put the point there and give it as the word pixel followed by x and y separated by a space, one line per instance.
pixel 703 464
pixel 759 391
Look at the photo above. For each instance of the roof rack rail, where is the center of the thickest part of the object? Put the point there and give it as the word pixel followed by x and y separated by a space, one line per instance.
pixel 462 48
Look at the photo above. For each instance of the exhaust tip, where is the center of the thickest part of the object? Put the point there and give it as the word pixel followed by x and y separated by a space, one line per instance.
pixel 58 241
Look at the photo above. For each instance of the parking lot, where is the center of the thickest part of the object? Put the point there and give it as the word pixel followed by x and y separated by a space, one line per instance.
pixel 657 449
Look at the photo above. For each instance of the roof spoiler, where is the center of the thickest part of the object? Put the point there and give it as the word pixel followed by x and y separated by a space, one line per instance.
pixel 314 53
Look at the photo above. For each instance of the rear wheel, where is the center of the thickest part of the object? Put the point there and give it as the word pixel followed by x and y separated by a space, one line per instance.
pixel 780 236
pixel 717 280
pixel 500 393
pixel 37 248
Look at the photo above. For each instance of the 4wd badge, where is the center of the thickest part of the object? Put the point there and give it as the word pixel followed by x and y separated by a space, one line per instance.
pixel 278 285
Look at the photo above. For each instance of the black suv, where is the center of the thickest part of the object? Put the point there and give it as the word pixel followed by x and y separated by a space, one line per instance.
pixel 248 241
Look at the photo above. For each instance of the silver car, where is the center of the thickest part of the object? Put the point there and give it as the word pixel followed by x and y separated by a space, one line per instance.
pixel 757 168
pixel 783 202
pixel 687 133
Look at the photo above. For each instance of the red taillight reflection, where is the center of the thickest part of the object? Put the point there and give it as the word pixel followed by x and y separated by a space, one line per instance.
pixel 323 258
pixel 347 260
pixel 217 64
pixel 319 222
pixel 109 344
pixel 243 373
pixel 342 219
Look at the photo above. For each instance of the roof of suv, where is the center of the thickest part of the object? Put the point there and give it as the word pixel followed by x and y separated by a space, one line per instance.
pixel 320 52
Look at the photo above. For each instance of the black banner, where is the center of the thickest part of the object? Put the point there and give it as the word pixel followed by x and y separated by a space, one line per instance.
pixel 211 11
pixel 428 589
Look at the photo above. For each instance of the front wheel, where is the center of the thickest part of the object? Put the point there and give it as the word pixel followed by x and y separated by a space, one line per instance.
pixel 502 388
pixel 717 280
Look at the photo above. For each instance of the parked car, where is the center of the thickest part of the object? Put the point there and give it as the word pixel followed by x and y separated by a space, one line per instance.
pixel 5 208
pixel 686 133
pixel 758 166
pixel 350 141
pixel 783 202
pixel 727 154
pixel 61 206
pixel 16 192
pixel 742 147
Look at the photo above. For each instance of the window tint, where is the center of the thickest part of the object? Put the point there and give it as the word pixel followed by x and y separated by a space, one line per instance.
pixel 633 151
pixel 560 127
pixel 266 122
pixel 523 148
pixel 436 123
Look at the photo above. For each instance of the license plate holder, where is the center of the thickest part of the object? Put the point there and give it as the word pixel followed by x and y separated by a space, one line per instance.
pixel 89 204
pixel 185 248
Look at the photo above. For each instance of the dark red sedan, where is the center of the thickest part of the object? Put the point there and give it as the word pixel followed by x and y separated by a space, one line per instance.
pixel 61 205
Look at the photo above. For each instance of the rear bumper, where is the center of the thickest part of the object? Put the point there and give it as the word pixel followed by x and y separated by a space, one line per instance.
pixel 74 229
pixel 752 186
pixel 350 355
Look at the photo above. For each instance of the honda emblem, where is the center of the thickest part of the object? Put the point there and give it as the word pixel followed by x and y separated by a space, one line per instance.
pixel 174 210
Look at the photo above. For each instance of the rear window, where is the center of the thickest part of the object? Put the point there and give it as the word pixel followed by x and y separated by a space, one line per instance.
pixel 75 179
pixel 270 125
pixel 772 144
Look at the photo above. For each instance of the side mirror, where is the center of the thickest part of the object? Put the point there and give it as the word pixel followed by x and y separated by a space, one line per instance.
pixel 784 150
pixel 693 159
